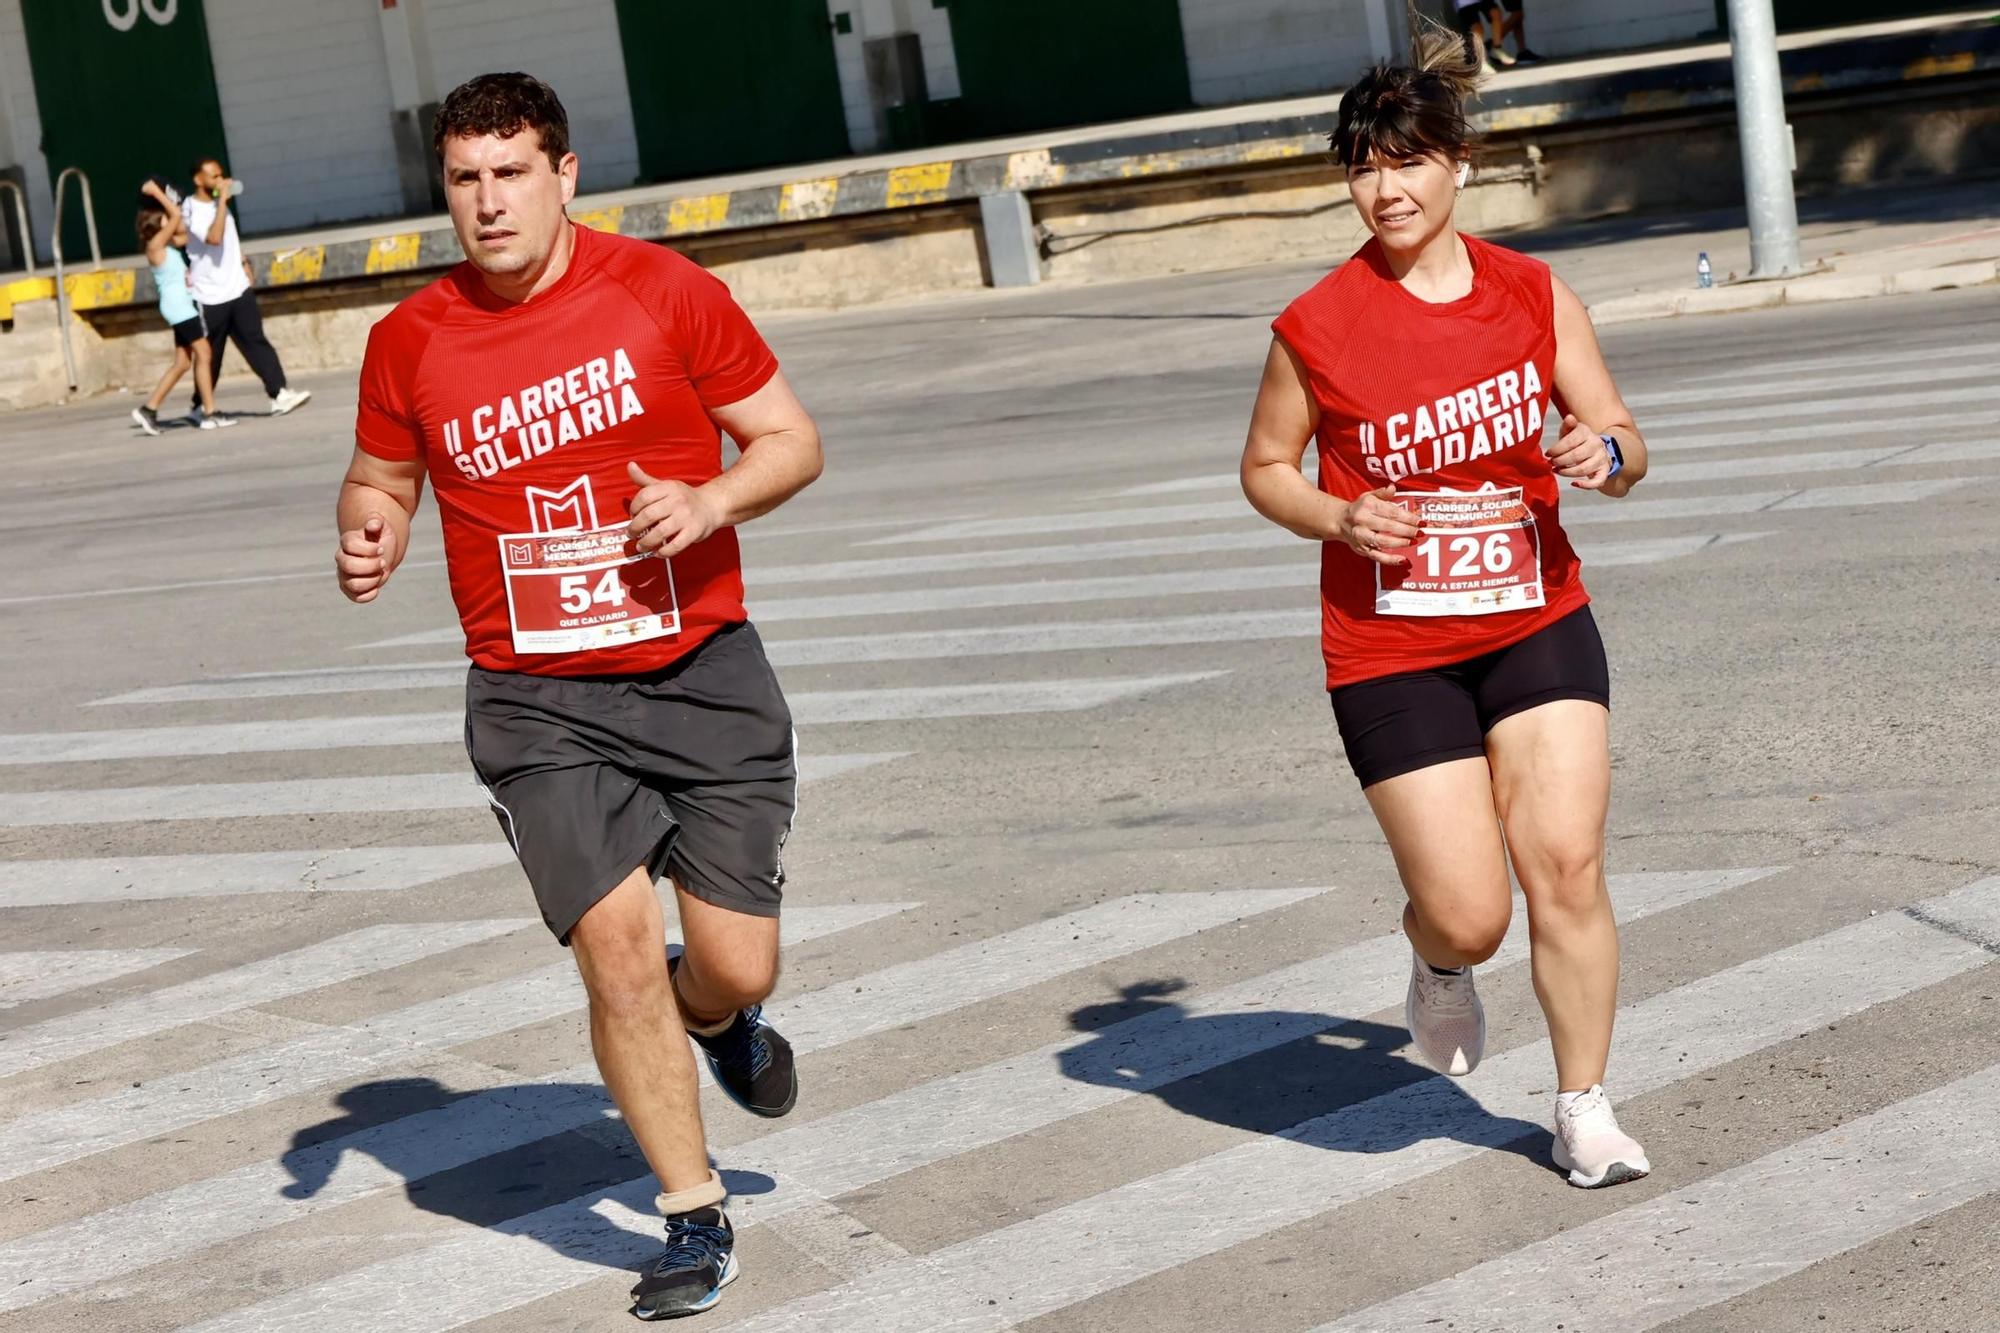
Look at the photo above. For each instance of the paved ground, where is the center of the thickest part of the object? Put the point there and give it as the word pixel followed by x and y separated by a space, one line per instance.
pixel 1090 952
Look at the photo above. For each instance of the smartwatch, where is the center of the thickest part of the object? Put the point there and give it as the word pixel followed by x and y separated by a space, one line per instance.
pixel 1617 459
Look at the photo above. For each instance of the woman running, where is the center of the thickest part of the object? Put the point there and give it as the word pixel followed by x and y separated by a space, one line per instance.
pixel 1468 680
pixel 162 230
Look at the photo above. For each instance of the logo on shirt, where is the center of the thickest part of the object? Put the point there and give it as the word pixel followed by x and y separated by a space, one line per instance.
pixel 571 509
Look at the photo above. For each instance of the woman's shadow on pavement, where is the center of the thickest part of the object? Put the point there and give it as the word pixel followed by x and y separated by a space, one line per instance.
pixel 1340 1065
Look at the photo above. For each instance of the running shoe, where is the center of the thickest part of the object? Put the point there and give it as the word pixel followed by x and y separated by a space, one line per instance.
pixel 750 1061
pixel 700 1261
pixel 1527 57
pixel 216 420
pixel 1498 59
pixel 284 400
pixel 148 419
pixel 1590 1146
pixel 1447 1022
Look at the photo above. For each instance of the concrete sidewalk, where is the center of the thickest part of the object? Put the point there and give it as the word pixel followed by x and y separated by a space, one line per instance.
pixel 1885 242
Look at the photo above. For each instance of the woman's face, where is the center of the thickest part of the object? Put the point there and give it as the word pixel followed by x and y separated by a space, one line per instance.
pixel 1405 201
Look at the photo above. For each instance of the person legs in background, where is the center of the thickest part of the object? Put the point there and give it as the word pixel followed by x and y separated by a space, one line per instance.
pixel 241 322
pixel 1511 22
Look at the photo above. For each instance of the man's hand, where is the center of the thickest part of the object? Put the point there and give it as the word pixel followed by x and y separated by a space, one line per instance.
pixel 365 557
pixel 669 516
pixel 1580 455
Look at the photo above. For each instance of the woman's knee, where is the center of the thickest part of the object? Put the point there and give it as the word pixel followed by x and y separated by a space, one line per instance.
pixel 1471 933
pixel 1565 880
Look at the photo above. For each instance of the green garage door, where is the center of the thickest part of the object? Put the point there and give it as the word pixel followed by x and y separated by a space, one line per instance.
pixel 1038 64
pixel 729 85
pixel 125 89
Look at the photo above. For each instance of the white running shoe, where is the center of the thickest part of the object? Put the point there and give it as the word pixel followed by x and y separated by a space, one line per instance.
pixel 147 419
pixel 1590 1146
pixel 216 420
pixel 1445 1017
pixel 288 398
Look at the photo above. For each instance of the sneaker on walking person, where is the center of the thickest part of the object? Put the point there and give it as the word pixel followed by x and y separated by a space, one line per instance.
pixel 1446 1020
pixel 1590 1146
pixel 147 418
pixel 216 420
pixel 700 1261
pixel 284 400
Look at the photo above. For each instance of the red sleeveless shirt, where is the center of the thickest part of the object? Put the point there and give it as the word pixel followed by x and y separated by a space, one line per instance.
pixel 1446 397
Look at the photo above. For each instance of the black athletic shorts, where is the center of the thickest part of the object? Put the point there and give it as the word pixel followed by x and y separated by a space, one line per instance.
pixel 189 332
pixel 691 771
pixel 1394 725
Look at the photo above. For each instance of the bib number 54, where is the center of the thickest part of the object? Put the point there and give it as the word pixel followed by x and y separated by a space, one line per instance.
pixel 579 596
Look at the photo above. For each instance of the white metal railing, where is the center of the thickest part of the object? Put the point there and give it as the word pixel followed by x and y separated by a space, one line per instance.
pixel 55 248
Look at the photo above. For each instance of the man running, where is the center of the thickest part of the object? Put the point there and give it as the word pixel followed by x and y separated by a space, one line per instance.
pixel 565 391
pixel 219 277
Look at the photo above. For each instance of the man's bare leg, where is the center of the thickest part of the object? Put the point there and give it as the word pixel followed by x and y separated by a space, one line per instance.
pixel 730 963
pixel 636 1032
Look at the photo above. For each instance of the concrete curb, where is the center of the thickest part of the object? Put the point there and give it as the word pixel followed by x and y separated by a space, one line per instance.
pixel 1806 290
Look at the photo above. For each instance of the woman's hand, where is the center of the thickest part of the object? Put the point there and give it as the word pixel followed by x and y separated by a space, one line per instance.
pixel 1375 525
pixel 1580 455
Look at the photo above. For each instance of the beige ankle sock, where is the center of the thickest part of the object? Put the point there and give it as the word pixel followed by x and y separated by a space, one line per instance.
pixel 710 1191
pixel 687 1019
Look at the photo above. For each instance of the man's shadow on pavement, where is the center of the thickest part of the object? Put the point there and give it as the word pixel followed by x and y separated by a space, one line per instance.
pixel 497 1189
pixel 1339 1065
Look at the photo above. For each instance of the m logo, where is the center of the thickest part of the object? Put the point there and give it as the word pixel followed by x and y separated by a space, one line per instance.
pixel 571 509
pixel 520 553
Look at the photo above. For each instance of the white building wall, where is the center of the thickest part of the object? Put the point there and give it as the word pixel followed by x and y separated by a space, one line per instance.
pixel 1586 27
pixel 1247 50
pixel 304 90
pixel 21 146
pixel 571 46
pixel 884 18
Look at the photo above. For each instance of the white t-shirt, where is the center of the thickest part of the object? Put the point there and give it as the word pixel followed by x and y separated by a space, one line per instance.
pixel 215 272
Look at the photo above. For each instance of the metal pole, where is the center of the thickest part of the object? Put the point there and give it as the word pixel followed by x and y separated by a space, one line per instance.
pixel 1766 140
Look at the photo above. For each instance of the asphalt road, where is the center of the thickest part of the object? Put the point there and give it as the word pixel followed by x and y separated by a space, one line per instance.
pixel 1091 957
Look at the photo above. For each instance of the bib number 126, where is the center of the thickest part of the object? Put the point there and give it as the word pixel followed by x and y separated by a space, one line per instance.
pixel 1470 557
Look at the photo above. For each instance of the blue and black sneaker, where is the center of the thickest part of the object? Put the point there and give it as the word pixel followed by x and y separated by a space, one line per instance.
pixel 700 1261
pixel 750 1061
pixel 753 1064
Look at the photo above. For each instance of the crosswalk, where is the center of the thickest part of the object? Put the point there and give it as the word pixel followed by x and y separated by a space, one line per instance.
pixel 919 639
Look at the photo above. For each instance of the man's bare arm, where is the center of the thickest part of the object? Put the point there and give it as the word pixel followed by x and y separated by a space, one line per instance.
pixel 781 456
pixel 377 499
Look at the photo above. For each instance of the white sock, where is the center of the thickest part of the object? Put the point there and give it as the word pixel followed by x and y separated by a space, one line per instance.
pixel 1564 1100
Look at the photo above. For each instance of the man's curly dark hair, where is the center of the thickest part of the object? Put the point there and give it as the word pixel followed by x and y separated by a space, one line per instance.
pixel 503 105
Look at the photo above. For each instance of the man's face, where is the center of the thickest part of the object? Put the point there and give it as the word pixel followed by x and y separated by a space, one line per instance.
pixel 506 200
pixel 210 177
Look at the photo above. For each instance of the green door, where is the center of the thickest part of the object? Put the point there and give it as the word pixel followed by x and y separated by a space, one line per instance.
pixel 125 89
pixel 729 85
pixel 1038 64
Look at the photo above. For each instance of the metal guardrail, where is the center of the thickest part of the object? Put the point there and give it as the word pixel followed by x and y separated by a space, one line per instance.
pixel 55 248
pixel 21 214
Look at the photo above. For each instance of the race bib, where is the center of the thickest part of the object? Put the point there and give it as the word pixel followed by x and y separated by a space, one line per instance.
pixel 570 592
pixel 1478 553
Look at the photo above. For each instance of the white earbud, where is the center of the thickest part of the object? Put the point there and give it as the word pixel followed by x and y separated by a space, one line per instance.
pixel 1464 173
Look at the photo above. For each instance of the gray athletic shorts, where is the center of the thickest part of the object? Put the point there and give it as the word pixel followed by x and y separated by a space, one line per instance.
pixel 691 772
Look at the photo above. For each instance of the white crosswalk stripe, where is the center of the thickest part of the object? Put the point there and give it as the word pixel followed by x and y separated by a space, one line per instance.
pixel 1982 353
pixel 448 728
pixel 228 874
pixel 304 796
pixel 342 958
pixel 41 976
pixel 1773 387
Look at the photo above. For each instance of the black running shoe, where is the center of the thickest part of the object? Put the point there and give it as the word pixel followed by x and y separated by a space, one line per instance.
pixel 1527 57
pixel 753 1064
pixel 700 1261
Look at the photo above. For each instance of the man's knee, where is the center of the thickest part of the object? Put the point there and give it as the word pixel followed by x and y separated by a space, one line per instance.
pixel 621 954
pixel 731 979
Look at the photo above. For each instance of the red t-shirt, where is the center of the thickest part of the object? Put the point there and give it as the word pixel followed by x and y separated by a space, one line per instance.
pixel 1435 398
pixel 525 416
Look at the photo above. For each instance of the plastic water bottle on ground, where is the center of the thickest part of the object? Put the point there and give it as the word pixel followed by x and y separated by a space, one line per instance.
pixel 1704 276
